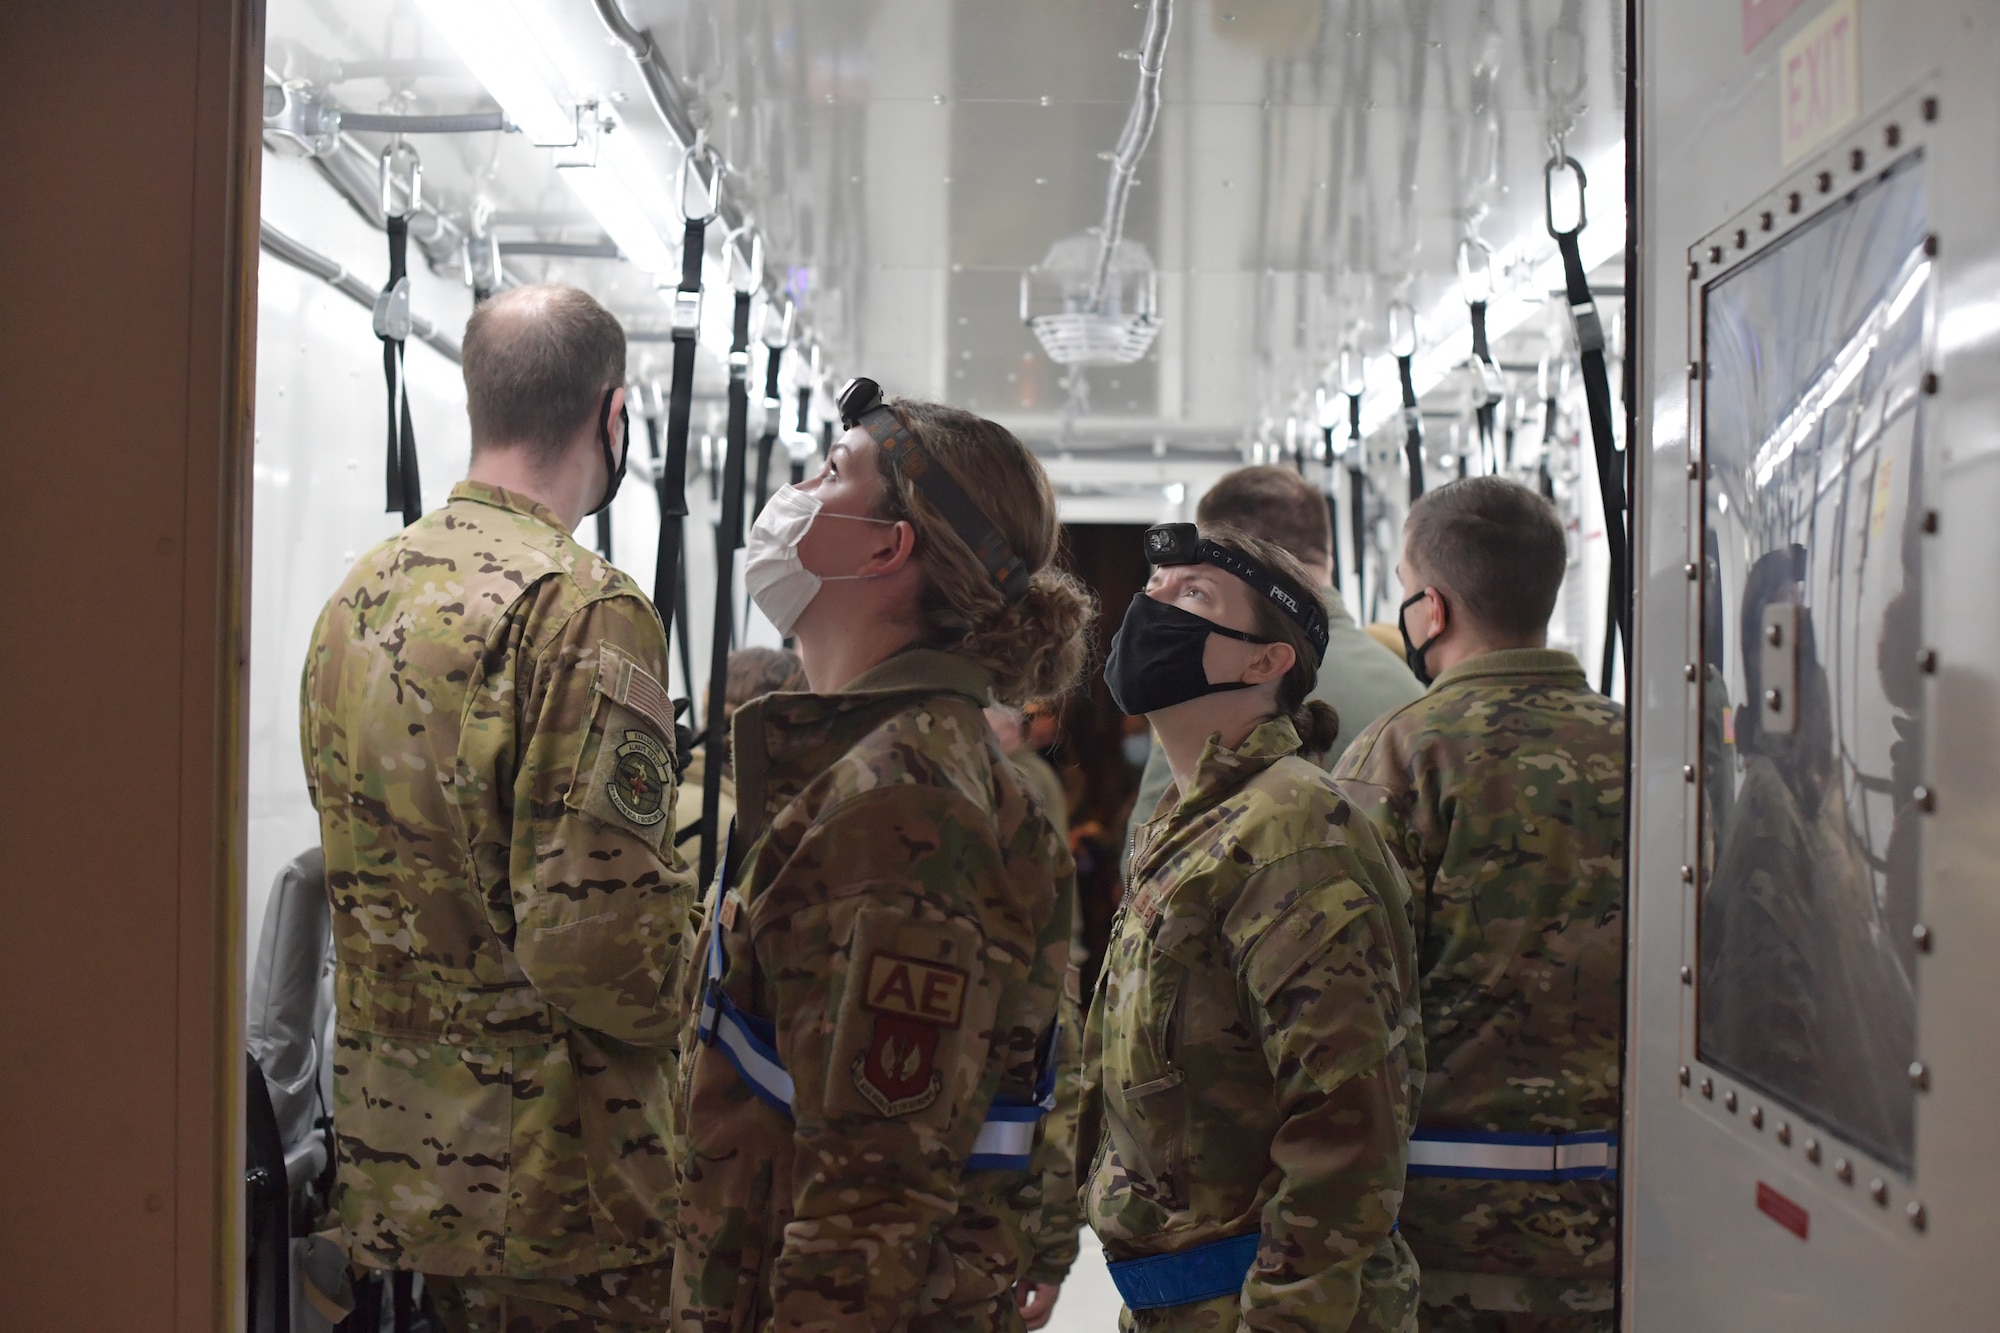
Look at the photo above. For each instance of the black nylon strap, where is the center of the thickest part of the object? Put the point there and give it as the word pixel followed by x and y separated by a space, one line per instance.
pixel 1357 520
pixel 728 540
pixel 1610 466
pixel 1413 427
pixel 405 491
pixel 766 442
pixel 804 427
pixel 669 584
pixel 1484 414
pixel 604 532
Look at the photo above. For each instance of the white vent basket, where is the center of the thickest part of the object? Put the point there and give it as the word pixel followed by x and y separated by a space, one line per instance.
pixel 1118 334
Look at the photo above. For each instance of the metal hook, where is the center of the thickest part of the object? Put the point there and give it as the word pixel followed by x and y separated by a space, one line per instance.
pixel 784 337
pixel 1475 270
pixel 717 169
pixel 394 156
pixel 1556 165
pixel 1353 370
pixel 1402 329
pixel 732 255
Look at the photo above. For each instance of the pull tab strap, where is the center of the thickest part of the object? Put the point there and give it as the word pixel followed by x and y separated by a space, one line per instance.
pixel 404 489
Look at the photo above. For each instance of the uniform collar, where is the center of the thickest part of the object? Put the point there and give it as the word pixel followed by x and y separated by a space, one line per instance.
pixel 1517 662
pixel 486 493
pixel 1336 609
pixel 1219 772
pixel 791 738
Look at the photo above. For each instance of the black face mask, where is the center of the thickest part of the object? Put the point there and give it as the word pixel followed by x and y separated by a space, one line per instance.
pixel 614 468
pixel 1413 653
pixel 1155 661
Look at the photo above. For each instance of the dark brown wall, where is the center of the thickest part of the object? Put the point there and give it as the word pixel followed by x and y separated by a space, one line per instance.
pixel 126 262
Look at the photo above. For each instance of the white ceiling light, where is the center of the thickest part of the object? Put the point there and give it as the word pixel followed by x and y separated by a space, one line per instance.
pixel 497 46
pixel 516 52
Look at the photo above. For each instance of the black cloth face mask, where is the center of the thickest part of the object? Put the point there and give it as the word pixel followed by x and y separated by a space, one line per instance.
pixel 1155 660
pixel 614 468
pixel 1413 653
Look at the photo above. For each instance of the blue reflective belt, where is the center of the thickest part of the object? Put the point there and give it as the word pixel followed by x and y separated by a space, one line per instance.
pixel 1476 1155
pixel 1006 1138
pixel 1185 1276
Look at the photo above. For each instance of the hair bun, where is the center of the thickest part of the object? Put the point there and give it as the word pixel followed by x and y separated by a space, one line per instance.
pixel 1318 725
pixel 1037 647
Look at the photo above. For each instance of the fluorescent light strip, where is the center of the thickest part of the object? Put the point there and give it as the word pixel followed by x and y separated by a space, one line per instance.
pixel 489 36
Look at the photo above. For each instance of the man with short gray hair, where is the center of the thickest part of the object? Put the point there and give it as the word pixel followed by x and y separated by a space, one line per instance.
pixel 491 749
pixel 1502 792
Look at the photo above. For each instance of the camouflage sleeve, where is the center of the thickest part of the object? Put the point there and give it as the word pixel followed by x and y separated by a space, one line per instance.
pixel 1052 1229
pixel 601 902
pixel 1317 968
pixel 872 944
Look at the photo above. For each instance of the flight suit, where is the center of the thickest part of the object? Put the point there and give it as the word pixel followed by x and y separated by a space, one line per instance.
pixel 491 753
pixel 1253 1053
pixel 894 936
pixel 1356 677
pixel 1502 791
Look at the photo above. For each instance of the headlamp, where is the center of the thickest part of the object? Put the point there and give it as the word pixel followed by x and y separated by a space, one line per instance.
pixel 1182 544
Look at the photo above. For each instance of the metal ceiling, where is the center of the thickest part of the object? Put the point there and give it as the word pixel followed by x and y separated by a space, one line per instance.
pixel 907 160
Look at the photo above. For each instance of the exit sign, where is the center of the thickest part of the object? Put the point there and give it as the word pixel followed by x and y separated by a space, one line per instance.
pixel 1819 81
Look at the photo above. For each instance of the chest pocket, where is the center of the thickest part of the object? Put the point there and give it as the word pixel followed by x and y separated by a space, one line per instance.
pixel 1145 1081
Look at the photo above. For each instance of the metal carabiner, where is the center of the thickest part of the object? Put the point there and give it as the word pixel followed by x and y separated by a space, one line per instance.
pixel 1475 270
pixel 784 326
pixel 732 255
pixel 1353 370
pixel 717 169
pixel 1549 172
pixel 394 157
pixel 1402 329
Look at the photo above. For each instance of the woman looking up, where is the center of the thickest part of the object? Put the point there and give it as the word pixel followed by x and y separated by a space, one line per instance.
pixel 889 932
pixel 1253 1049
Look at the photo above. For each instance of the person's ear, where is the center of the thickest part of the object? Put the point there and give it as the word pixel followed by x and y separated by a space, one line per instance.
pixel 1270 662
pixel 894 546
pixel 1440 612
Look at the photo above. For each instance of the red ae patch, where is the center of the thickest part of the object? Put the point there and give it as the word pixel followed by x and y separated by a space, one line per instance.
pixel 897 1073
pixel 915 989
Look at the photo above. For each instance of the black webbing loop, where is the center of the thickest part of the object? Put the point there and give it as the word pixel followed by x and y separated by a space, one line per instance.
pixel 1413 426
pixel 1484 414
pixel 1597 396
pixel 728 540
pixel 1544 479
pixel 670 484
pixel 665 603
pixel 405 491
pixel 1357 503
pixel 604 531
pixel 804 428
pixel 773 359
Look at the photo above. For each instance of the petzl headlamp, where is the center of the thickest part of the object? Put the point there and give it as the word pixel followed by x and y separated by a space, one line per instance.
pixel 1182 544
pixel 861 405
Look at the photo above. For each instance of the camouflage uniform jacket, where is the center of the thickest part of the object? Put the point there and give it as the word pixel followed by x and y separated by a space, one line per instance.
pixel 900 913
pixel 1253 1052
pixel 1502 791
pixel 1355 676
pixel 490 752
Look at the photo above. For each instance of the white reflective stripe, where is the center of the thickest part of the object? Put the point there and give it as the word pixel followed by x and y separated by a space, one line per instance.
pixel 765 1073
pixel 1004 1138
pixel 1487 1156
pixel 1578 1156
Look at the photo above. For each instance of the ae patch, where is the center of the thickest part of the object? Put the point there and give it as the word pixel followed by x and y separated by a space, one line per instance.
pixel 640 779
pixel 898 1072
pixel 915 989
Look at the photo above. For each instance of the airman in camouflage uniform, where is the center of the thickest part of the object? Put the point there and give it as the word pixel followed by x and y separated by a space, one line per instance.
pixel 1502 792
pixel 491 753
pixel 897 924
pixel 1254 1048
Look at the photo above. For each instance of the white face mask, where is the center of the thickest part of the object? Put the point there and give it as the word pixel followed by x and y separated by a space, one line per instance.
pixel 777 581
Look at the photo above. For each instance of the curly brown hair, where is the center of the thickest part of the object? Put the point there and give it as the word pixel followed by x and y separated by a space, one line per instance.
pixel 1035 646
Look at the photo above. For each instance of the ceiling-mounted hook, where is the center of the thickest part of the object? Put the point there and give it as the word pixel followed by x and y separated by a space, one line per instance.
pixel 401 169
pixel 1475 270
pixel 1402 329
pixel 752 271
pixel 701 149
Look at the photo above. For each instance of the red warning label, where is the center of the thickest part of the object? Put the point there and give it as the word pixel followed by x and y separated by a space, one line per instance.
pixel 1783 1211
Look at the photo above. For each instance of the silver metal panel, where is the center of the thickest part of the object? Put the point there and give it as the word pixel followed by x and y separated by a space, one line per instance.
pixel 1704 1145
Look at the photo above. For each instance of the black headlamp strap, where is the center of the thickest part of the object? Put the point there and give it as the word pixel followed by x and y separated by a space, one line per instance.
pixel 861 405
pixel 1174 544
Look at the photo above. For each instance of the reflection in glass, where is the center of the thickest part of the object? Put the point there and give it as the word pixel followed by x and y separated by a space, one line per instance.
pixel 1811 744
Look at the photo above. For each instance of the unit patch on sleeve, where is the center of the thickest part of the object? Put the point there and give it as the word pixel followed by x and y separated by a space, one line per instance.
pixel 914 1002
pixel 638 784
pixel 915 989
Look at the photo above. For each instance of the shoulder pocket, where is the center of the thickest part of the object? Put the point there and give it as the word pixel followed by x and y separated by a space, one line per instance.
pixel 1299 931
pixel 624 772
